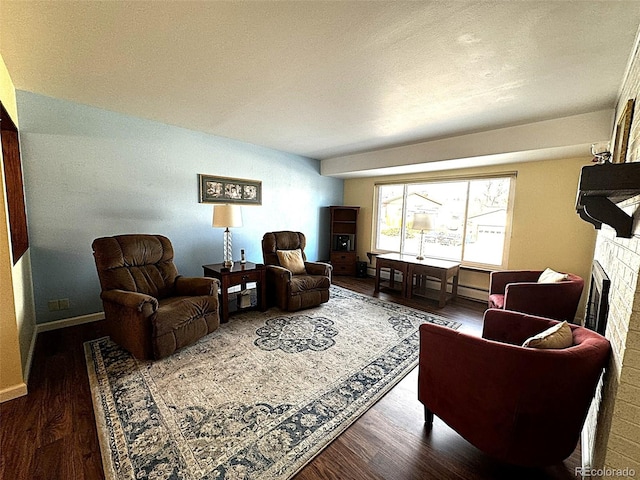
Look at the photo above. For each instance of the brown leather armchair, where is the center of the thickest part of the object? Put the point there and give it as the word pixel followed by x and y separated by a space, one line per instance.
pixel 151 310
pixel 521 405
pixel 519 290
pixel 289 291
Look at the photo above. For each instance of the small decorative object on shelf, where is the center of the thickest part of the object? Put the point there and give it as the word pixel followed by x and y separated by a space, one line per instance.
pixel 243 259
pixel 244 298
pixel 601 152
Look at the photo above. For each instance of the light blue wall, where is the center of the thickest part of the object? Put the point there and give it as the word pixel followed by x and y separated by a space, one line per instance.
pixel 90 173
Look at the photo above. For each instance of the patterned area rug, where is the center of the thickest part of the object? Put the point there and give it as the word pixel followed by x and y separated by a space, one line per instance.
pixel 256 399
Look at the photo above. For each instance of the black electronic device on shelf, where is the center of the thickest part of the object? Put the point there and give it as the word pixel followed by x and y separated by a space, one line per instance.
pixel 343 243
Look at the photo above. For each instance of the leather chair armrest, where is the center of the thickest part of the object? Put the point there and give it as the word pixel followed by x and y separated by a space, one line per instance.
pixel 146 304
pixel 499 280
pixel 277 273
pixel 318 268
pixel 196 286
pixel 278 280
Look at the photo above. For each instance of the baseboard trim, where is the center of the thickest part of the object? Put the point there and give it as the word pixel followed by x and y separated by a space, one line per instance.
pixel 473 294
pixel 21 389
pixel 69 322
pixel 32 347
pixel 12 392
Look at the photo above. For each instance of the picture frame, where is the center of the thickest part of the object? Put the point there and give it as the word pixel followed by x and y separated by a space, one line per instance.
pixel 229 190
pixel 623 129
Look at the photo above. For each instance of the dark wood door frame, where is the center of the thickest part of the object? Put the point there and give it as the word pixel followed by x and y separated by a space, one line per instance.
pixel 14 185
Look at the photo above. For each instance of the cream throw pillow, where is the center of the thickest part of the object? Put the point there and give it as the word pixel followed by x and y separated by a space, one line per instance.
pixel 557 336
pixel 292 261
pixel 551 276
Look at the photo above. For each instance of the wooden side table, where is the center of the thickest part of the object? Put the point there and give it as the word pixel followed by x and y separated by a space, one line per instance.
pixel 411 267
pixel 238 274
pixel 439 269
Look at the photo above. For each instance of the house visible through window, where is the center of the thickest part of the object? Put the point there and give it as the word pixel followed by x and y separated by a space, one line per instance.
pixel 468 220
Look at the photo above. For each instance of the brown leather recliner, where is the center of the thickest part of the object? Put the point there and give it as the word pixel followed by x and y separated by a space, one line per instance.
pixel 151 310
pixel 290 291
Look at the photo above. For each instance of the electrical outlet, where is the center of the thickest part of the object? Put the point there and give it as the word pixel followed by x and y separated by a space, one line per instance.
pixel 63 303
pixel 54 305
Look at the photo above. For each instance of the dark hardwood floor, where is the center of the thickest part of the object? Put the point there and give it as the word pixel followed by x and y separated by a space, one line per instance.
pixel 51 433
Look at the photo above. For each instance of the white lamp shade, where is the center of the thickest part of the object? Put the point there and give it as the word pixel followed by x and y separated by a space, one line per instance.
pixel 227 216
pixel 422 221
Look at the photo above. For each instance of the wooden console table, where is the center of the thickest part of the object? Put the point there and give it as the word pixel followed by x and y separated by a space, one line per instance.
pixel 238 274
pixel 411 267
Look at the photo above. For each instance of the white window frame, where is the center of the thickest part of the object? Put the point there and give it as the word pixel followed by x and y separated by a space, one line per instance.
pixel 508 227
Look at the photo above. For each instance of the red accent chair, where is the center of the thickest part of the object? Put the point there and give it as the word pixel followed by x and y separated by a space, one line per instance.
pixel 520 405
pixel 519 290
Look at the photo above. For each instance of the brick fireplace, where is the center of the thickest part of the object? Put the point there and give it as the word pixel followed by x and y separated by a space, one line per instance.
pixel 611 438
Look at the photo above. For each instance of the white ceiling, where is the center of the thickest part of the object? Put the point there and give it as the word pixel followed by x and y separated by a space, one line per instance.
pixel 325 79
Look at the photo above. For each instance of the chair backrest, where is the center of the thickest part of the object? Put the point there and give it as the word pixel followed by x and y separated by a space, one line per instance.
pixel 558 300
pixel 283 240
pixel 136 263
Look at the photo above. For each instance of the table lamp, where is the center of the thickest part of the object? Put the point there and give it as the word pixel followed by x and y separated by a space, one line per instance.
pixel 422 222
pixel 225 216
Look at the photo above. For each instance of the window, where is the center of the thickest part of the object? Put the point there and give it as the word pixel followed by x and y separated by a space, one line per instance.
pixel 468 220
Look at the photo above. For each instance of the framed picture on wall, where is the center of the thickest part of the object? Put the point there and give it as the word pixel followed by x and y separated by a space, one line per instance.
pixel 623 129
pixel 229 190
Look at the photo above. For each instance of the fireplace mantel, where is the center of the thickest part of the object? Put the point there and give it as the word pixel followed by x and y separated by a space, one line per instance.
pixel 601 187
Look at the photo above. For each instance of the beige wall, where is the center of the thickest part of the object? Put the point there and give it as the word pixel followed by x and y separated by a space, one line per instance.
pixel 17 309
pixel 11 371
pixel 546 230
pixel 612 431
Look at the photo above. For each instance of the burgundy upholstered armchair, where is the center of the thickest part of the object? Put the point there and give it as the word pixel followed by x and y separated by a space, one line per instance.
pixel 288 288
pixel 520 405
pixel 519 290
pixel 149 309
